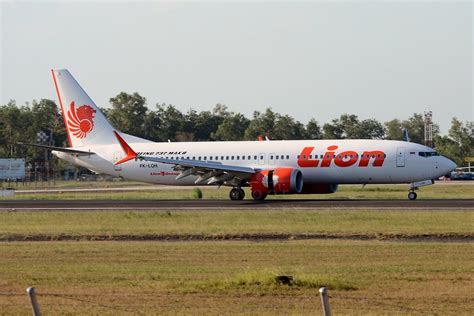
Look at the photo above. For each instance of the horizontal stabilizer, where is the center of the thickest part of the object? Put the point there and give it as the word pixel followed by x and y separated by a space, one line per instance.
pixel 61 149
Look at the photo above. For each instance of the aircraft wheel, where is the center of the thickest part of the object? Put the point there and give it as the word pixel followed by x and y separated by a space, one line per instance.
pixel 242 194
pixel 236 194
pixel 412 196
pixel 258 196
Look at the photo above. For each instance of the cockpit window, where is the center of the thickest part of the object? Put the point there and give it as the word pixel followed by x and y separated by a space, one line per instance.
pixel 428 153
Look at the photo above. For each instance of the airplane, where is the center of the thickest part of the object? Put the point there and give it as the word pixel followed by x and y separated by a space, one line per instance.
pixel 267 166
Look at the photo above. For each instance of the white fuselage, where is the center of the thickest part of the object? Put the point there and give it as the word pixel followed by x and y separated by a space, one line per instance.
pixel 396 161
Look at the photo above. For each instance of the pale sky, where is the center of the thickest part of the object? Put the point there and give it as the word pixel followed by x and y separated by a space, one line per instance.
pixel 375 59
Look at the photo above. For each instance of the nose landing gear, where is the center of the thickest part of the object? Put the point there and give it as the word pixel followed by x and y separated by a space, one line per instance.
pixel 415 185
pixel 412 195
pixel 236 194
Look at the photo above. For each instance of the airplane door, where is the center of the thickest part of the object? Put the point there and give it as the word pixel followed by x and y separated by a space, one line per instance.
pixel 117 156
pixel 261 159
pixel 271 159
pixel 401 157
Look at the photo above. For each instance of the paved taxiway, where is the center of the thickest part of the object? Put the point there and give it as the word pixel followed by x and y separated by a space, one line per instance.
pixel 96 205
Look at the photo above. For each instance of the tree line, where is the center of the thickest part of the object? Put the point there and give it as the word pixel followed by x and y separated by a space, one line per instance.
pixel 130 114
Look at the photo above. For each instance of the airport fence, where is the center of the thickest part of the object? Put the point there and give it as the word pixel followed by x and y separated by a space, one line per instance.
pixel 36 310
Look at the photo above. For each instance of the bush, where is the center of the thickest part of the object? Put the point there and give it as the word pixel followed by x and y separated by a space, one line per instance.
pixel 197 193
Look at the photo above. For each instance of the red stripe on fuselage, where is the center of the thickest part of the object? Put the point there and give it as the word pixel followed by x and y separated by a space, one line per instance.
pixel 62 108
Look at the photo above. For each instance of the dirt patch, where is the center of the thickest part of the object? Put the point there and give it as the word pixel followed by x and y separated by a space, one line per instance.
pixel 446 237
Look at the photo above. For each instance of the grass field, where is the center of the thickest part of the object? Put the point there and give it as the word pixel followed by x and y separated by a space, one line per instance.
pixel 94 273
pixel 437 191
pixel 237 277
pixel 365 278
pixel 83 223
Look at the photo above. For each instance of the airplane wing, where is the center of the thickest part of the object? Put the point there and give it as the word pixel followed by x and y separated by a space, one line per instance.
pixel 208 172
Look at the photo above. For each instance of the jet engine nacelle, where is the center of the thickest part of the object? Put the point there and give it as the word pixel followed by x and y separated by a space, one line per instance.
pixel 278 181
pixel 319 188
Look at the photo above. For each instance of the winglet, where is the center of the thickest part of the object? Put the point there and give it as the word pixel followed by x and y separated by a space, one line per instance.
pixel 130 154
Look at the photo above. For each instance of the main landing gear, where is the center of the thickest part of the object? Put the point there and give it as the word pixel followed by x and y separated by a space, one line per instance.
pixel 236 194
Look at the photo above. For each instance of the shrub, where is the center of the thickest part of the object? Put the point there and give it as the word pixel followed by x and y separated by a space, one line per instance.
pixel 197 193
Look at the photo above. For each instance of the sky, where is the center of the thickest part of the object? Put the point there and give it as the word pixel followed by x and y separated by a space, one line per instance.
pixel 375 59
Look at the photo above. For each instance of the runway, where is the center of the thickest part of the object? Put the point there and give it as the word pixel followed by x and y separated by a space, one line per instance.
pixel 144 205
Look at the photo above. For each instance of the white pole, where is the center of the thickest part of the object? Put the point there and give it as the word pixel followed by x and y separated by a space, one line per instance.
pixel 34 303
pixel 325 301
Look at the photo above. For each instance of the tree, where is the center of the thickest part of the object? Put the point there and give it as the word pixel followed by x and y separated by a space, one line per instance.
pixel 47 116
pixel 274 126
pixel 332 131
pixel 393 129
pixel 313 130
pixel 128 113
pixel 201 125
pixel 416 128
pixel 232 127
pixel 287 128
pixel 349 126
pixel 169 122
pixel 261 124
pixel 369 129
pixel 459 143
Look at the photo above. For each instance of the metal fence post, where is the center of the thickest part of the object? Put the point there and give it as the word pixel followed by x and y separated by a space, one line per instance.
pixel 34 303
pixel 325 301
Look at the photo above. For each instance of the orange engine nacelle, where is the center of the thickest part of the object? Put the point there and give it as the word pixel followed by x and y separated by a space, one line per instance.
pixel 278 181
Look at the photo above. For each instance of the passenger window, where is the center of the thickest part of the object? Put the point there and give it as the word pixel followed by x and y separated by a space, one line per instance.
pixel 217 158
pixel 238 157
pixel 287 156
pixel 232 158
pixel 271 157
pixel 222 157
pixel 194 157
pixel 243 157
pixel 210 158
pixel 226 157
pixel 199 158
pixel 205 158
pixel 249 157
pixel 255 157
pixel 276 157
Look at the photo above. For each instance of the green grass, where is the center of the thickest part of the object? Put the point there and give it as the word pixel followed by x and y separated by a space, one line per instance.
pixel 367 278
pixel 437 191
pixel 236 222
pixel 71 184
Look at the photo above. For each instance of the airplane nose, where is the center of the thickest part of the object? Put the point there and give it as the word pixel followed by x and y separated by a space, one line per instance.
pixel 449 165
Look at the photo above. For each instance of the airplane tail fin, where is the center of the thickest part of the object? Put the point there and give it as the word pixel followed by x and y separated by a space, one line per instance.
pixel 85 124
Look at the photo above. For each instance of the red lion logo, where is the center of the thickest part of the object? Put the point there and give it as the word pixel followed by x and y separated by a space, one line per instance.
pixel 80 121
